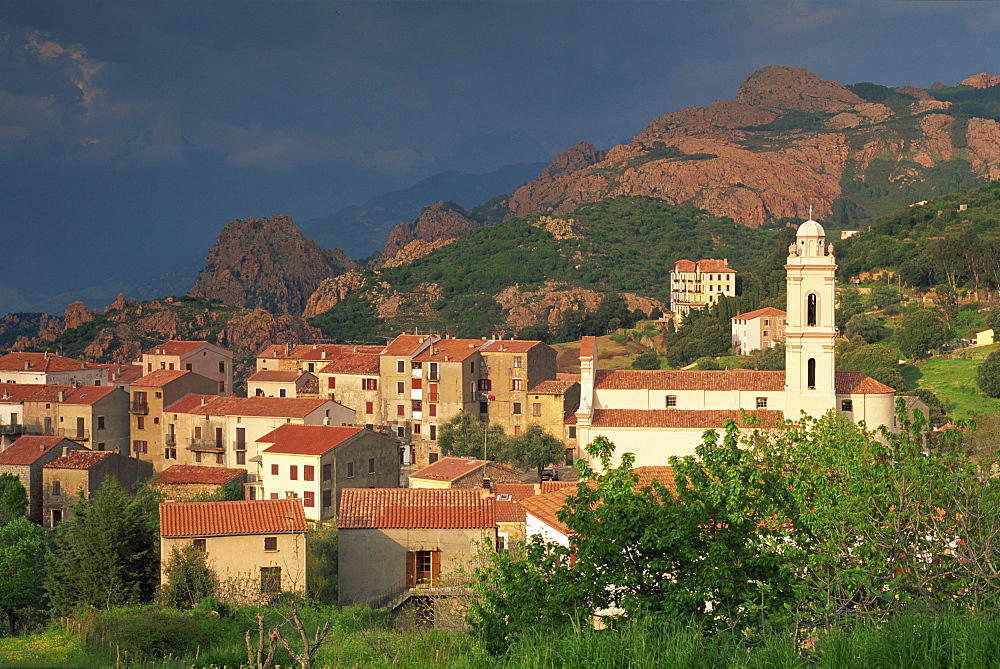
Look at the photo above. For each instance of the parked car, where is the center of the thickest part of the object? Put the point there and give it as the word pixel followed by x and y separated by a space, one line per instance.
pixel 550 475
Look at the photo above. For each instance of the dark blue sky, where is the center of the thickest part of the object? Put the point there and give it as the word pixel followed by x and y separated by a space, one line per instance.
pixel 131 132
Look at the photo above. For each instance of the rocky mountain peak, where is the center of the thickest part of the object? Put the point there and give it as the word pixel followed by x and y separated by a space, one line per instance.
pixel 981 80
pixel 582 154
pixel 440 222
pixel 794 88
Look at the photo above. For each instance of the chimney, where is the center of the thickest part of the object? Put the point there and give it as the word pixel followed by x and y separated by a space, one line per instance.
pixel 203 401
pixel 323 356
pixel 65 451
pixel 27 365
pixel 326 420
pixel 288 349
pixel 355 349
pixel 62 395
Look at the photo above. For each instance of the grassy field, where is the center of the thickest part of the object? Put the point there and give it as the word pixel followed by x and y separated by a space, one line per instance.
pixel 953 379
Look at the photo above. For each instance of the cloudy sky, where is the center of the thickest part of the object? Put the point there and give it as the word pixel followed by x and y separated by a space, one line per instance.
pixel 131 132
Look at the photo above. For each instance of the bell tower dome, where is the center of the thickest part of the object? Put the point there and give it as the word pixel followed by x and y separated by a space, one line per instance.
pixel 810 329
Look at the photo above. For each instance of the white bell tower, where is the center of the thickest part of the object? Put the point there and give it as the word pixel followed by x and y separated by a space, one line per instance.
pixel 810 329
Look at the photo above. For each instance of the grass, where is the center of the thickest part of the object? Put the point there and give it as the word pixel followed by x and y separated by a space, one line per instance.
pixel 952 378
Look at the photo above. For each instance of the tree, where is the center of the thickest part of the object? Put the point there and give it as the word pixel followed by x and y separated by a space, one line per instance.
pixel 22 553
pixel 648 359
pixel 612 313
pixel 321 564
pixel 874 360
pixel 535 448
pixel 106 554
pixel 988 375
pixel 772 358
pixel 848 304
pixel 189 578
pixel 884 296
pixel 920 332
pixel 867 327
pixel 462 436
pixel 13 498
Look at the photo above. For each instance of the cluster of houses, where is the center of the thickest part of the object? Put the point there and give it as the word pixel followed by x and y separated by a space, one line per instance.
pixel 326 432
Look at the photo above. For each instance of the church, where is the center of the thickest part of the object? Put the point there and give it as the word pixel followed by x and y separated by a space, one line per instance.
pixel 660 413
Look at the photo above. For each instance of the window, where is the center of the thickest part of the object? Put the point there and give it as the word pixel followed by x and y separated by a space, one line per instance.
pixel 472 366
pixel 198 545
pixel 433 392
pixel 56 488
pixel 369 384
pixel 309 498
pixel 517 361
pixel 432 371
pixel 400 387
pixel 350 470
pixel 270 579
pixel 140 422
pixel 100 422
pixel 517 430
pixel 327 498
pixel 671 400
pixel 416 384
pixel 811 309
pixel 274 470
pixel 369 407
pixel 767 321
pixel 293 472
pixel 484 407
pixel 422 567
pixel 328 472
pixel 761 402
pixel 764 333
pixel 400 410
pixel 197 456
pixel 485 384
pixel 371 465
pixel 536 409
pixel 56 517
pixel 847 405
pixel 417 365
pixel 197 432
pixel 308 473
pixel 432 457
pixel 572 431
pixel 401 366
pixel 517 408
pixel 417 405
pixel 811 373
pixel 401 432
pixel 331 382
pixel 270 543
pixel 139 447
pixel 188 366
pixel 222 367
pixel 312 366
pixel 517 384
pixel 434 434
pixel 282 392
pixel 241 457
pixel 432 409
pixel 416 428
pixel 220 458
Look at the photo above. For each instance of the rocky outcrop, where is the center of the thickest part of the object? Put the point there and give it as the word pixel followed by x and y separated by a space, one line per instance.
pixel 332 292
pixel 266 263
pixel 76 315
pixel 547 303
pixel 981 80
pixel 794 88
pixel 437 222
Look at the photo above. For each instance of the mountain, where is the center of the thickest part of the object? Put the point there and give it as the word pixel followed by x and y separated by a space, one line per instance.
pixel 362 229
pixel 266 263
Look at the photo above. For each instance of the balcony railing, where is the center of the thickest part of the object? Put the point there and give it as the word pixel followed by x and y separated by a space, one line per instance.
pixel 12 429
pixel 139 407
pixel 170 439
pixel 206 447
pixel 239 445
pixel 73 433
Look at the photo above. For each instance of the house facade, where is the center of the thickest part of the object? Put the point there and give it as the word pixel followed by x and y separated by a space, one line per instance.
pixel 761 328
pixel 698 285
pixel 151 394
pixel 208 360
pixel 25 459
pixel 45 368
pixel 278 383
pixel 80 472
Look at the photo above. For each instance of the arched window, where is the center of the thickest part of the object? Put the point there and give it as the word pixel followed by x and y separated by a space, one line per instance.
pixel 811 309
pixel 811 373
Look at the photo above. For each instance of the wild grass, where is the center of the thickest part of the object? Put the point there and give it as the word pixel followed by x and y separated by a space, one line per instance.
pixel 952 378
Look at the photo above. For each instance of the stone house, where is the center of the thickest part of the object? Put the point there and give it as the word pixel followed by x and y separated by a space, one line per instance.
pixel 150 396
pixel 308 357
pixel 95 416
pixel 406 549
pixel 317 462
pixel 353 380
pixel 179 483
pixel 256 548
pixel 205 359
pixel 76 473
pixel 25 459
pixel 45 368
pixel 452 472
pixel 278 383
pixel 762 328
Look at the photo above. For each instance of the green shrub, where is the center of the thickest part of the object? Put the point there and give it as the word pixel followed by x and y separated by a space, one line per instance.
pixel 155 634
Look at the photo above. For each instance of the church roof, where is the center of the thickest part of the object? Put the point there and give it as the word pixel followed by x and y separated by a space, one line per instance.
pixel 668 379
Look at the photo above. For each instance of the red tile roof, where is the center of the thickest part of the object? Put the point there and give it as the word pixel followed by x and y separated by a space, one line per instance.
pixel 684 265
pixel 510 346
pixel 307 439
pixel 277 407
pixel 41 362
pixel 564 376
pixel 715 265
pixel 452 469
pixel 416 508
pixel 662 473
pixel 88 394
pixel 508 511
pixel 549 486
pixel 78 460
pixel 19 392
pixel 405 345
pixel 856 383
pixel 544 507
pixel 174 347
pixel 552 387
pixel 766 311
pixel 123 374
pixel 517 491
pixel 203 519
pixel 277 376
pixel 160 377
pixel 453 349
pixel 354 363
pixel 731 379
pixel 27 449
pixel 181 474
pixel 189 403
pixel 684 418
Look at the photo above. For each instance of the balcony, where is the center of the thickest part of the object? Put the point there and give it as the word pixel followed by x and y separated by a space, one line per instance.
pixel 170 439
pixel 206 447
pixel 139 407
pixel 239 445
pixel 73 433
pixel 11 429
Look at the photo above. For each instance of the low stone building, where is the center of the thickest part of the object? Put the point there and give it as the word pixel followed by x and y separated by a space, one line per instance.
pixel 179 483
pixel 81 473
pixel 25 459
pixel 452 472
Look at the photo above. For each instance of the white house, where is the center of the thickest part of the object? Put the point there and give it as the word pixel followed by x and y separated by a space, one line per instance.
pixel 761 328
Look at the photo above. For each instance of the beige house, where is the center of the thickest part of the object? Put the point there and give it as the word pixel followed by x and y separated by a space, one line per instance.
pixel 353 380
pixel 551 403
pixel 404 549
pixel 308 357
pixel 179 483
pixel 45 368
pixel 454 472
pixel 94 416
pixel 761 328
pixel 150 395
pixel 25 459
pixel 208 360
pixel 513 369
pixel 316 462
pixel 698 285
pixel 77 473
pixel 277 383
pixel 12 396
pixel 254 547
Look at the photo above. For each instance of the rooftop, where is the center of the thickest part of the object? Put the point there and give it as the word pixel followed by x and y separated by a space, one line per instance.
pixel 732 379
pixel 202 519
pixel 160 377
pixel 181 474
pixel 416 508
pixel 174 347
pixel 685 418
pixel 280 407
pixel 307 439
pixel 452 469
pixel 766 311
pixel 449 350
pixel 41 362
pixel 509 346
pixel 354 363
pixel 78 460
pixel 27 449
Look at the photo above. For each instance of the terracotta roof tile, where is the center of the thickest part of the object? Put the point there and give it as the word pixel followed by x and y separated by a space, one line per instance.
pixel 451 469
pixel 662 473
pixel 510 346
pixel 47 392
pixel 41 362
pixel 307 439
pixel 508 511
pixel 549 486
pixel 405 345
pixel 544 507
pixel 160 377
pixel 715 265
pixel 88 394
pixel 517 491
pixel 388 508
pixel 766 311
pixel 277 376
pixel 174 347
pixel 683 418
pixel 453 349
pixel 684 265
pixel 552 387
pixel 281 407
pixel 27 449
pixel 201 519
pixel 354 363
pixel 123 374
pixel 564 376
pixel 181 474
pixel 732 379
pixel 189 403
pixel 856 383
pixel 19 392
pixel 78 460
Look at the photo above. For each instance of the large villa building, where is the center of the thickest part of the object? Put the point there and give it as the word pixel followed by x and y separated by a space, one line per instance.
pixel 657 414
